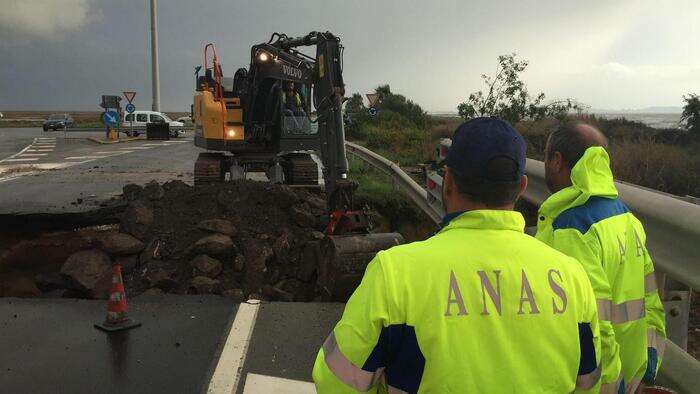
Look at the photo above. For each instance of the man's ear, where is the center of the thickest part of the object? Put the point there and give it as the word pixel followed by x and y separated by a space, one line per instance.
pixel 523 185
pixel 558 161
pixel 447 181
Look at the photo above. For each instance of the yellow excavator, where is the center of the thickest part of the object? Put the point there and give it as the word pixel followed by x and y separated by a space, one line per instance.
pixel 276 116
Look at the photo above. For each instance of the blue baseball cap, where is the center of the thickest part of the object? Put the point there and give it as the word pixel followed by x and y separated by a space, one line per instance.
pixel 489 149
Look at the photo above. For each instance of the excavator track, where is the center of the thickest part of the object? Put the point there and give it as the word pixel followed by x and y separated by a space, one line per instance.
pixel 209 168
pixel 300 169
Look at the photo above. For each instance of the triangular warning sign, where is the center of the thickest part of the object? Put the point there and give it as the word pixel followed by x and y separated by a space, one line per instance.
pixel 373 98
pixel 129 96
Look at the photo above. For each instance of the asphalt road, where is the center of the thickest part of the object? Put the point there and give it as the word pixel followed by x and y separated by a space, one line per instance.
pixel 51 346
pixel 56 173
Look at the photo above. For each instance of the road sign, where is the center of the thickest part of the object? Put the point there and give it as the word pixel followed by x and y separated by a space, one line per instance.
pixel 372 111
pixel 110 102
pixel 110 117
pixel 129 96
pixel 130 108
pixel 373 98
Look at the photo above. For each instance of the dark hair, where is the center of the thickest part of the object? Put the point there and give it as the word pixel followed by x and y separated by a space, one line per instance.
pixel 491 193
pixel 571 142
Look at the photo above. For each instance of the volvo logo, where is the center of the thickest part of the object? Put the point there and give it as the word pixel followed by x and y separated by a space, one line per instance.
pixel 291 71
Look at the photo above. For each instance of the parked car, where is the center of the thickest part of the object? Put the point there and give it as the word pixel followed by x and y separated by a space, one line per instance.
pixel 57 121
pixel 139 119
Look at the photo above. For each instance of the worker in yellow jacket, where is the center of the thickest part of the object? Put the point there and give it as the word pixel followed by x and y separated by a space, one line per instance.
pixel 479 307
pixel 585 219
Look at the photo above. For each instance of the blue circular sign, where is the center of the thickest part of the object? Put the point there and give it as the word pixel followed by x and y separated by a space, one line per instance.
pixel 372 111
pixel 130 108
pixel 110 117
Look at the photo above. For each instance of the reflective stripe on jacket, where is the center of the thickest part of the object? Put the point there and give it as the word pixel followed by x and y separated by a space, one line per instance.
pixel 588 222
pixel 478 307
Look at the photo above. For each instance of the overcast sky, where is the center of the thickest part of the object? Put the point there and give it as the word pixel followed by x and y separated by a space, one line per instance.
pixel 63 54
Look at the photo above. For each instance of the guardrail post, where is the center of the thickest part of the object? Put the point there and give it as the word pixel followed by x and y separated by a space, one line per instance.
pixel 676 298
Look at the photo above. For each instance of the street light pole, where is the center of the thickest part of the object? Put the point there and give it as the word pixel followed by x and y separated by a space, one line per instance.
pixel 155 78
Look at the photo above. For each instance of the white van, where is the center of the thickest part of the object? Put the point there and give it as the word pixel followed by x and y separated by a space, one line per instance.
pixel 139 119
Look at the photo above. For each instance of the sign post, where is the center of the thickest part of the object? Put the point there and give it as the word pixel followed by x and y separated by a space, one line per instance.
pixel 130 108
pixel 373 99
pixel 110 117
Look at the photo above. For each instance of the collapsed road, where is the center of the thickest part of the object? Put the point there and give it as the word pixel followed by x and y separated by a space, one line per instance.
pixel 243 240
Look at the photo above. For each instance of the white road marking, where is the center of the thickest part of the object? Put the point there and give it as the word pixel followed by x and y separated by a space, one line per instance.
pixel 227 374
pixel 84 157
pixel 255 384
pixel 23 159
pixel 32 154
pixel 16 154
pixel 39 150
pixel 15 176
pixel 138 147
pixel 161 144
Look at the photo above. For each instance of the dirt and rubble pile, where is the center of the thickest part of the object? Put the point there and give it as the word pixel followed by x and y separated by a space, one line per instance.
pixel 239 239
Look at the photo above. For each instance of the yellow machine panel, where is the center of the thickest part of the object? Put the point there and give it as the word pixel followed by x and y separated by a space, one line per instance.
pixel 218 120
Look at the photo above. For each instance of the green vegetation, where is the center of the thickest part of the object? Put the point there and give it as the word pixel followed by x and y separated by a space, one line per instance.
pixel 507 96
pixel 399 131
pixel 691 113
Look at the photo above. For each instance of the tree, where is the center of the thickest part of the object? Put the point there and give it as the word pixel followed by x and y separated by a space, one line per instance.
pixel 507 96
pixel 388 101
pixel 691 113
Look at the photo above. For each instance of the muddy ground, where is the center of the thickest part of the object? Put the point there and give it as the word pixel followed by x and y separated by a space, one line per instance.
pixel 241 239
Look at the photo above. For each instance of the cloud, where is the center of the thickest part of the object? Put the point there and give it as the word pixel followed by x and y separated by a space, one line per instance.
pixel 48 19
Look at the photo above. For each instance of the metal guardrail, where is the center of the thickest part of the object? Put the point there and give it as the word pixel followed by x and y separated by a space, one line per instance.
pixel 673 238
pixel 415 192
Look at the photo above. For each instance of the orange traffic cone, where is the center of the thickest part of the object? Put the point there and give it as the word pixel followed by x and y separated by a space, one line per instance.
pixel 116 305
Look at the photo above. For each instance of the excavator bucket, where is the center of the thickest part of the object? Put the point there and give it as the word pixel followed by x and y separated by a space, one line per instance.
pixel 343 259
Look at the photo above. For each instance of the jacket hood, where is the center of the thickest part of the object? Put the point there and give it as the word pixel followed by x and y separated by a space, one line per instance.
pixel 591 176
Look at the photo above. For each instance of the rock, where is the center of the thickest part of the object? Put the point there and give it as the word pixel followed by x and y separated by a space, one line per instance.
pixel 203 285
pixel 161 277
pixel 128 263
pixel 50 281
pixel 151 252
pixel 217 226
pixel 214 245
pixel 206 266
pixel 235 294
pixel 153 191
pixel 131 191
pixel 302 218
pixel 18 286
pixel 57 293
pixel 137 219
pixel 238 263
pixel 276 293
pixel 46 253
pixel 281 246
pixel 316 203
pixel 310 257
pixel 120 244
pixel 153 291
pixel 89 271
pixel 256 253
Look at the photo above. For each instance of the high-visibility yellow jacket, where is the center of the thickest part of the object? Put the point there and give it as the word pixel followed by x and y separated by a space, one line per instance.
pixel 479 307
pixel 588 222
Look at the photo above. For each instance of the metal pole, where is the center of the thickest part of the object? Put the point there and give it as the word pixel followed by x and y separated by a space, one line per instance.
pixel 155 78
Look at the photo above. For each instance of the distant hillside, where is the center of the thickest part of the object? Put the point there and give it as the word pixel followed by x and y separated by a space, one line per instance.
pixel 647 110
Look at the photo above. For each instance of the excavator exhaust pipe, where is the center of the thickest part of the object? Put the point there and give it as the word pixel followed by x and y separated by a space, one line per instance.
pixel 343 259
